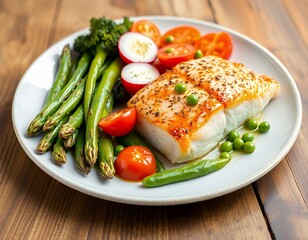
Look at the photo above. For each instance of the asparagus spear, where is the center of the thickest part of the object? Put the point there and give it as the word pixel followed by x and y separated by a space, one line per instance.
pixel 58 153
pixel 105 155
pixel 48 139
pixel 37 123
pixel 93 75
pixel 110 76
pixel 62 74
pixel 69 142
pixel 73 123
pixel 67 106
pixel 74 65
pixel 105 147
pixel 79 158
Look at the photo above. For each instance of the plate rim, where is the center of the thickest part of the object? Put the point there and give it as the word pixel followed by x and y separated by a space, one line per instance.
pixel 184 199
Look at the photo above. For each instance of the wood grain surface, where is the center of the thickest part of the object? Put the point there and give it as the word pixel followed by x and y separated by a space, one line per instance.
pixel 35 206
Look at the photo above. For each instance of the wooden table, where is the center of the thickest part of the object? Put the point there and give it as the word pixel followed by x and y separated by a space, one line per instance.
pixel 35 206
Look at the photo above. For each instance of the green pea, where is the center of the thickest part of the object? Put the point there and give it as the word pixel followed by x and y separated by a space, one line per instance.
pixel 238 143
pixel 118 149
pixel 233 135
pixel 248 137
pixel 225 155
pixel 169 39
pixel 251 124
pixel 198 54
pixel 180 88
pixel 249 147
pixel 264 127
pixel 169 50
pixel 226 146
pixel 192 99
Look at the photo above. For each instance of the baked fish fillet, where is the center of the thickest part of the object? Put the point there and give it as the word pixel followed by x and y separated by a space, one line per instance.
pixel 228 94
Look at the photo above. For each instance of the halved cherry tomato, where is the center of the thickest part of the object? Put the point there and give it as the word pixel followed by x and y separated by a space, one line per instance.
pixel 135 163
pixel 147 28
pixel 173 54
pixel 181 34
pixel 119 123
pixel 216 44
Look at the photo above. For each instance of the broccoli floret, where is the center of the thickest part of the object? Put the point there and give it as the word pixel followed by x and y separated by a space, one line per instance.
pixel 105 32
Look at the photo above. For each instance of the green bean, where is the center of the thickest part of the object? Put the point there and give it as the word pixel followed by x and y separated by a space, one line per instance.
pixel 37 123
pixel 133 139
pixel 62 74
pixel 187 172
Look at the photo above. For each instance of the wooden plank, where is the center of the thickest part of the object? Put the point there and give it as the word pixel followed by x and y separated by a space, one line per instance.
pixel 34 206
pixel 297 11
pixel 284 204
pixel 22 40
pixel 283 191
pixel 160 221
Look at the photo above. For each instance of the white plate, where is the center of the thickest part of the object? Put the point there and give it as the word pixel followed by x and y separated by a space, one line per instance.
pixel 284 113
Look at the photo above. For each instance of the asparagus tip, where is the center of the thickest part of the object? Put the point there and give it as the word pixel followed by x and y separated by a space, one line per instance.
pixel 59 157
pixel 34 127
pixel 106 170
pixel 48 125
pixel 91 155
pixel 66 131
pixel 43 147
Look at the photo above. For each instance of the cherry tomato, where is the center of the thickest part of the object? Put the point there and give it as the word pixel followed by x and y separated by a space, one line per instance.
pixel 181 34
pixel 119 123
pixel 147 28
pixel 173 54
pixel 217 44
pixel 135 163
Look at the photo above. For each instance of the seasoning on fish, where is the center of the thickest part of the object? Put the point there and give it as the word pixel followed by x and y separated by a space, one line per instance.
pixel 228 94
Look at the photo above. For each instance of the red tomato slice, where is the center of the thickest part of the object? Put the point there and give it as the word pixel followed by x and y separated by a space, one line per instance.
pixel 135 163
pixel 181 34
pixel 147 28
pixel 217 44
pixel 172 54
pixel 119 123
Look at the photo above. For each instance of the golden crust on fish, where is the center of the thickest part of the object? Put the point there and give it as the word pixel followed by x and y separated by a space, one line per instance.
pixel 229 82
pixel 228 95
